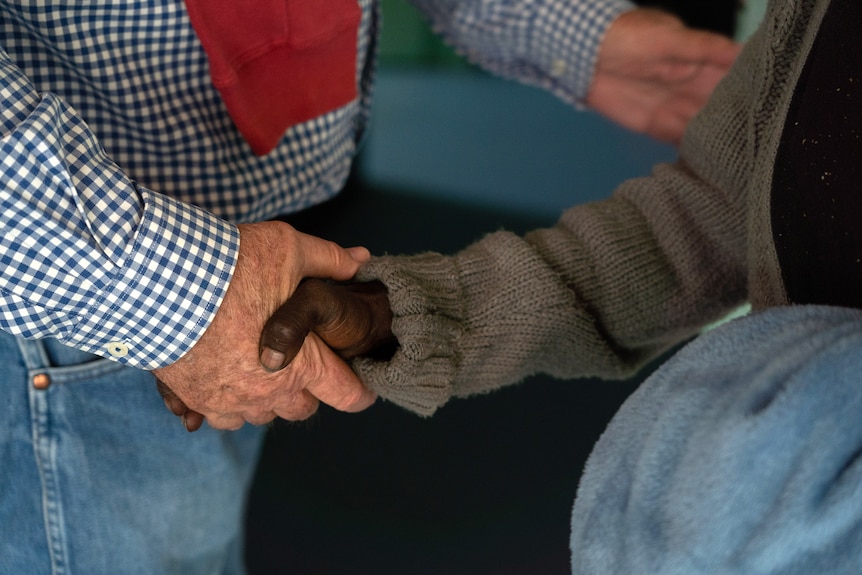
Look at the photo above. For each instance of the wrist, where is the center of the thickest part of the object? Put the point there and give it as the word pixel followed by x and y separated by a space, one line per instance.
pixel 167 292
pixel 578 30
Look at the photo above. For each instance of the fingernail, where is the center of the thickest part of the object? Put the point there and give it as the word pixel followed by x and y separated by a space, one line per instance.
pixel 194 421
pixel 271 360
pixel 359 253
pixel 185 422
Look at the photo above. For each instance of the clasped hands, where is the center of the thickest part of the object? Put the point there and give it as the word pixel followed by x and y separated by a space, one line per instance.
pixel 277 345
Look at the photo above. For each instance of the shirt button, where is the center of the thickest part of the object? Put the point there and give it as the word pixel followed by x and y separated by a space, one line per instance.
pixel 118 349
pixel 558 68
pixel 41 381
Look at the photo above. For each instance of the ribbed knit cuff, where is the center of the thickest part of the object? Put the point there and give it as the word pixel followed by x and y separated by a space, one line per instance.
pixel 419 376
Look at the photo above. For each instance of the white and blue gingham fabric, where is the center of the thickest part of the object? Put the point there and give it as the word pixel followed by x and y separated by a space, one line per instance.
pixel 546 43
pixel 121 168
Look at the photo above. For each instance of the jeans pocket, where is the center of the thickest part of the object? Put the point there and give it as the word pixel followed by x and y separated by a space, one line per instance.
pixel 67 365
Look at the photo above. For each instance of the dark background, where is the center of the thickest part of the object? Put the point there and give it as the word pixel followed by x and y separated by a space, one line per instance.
pixel 486 485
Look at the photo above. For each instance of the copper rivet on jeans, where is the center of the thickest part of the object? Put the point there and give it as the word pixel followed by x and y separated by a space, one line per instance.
pixel 41 381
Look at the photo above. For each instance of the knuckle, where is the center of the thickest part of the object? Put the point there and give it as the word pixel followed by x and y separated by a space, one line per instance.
pixel 283 331
pixel 251 395
pixel 356 399
pixel 260 417
pixel 229 422
pixel 302 407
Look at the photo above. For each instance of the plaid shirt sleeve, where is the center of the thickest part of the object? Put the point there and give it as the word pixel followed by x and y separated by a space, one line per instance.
pixel 548 43
pixel 90 258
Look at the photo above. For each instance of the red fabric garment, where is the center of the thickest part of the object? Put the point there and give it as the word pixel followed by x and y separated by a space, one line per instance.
pixel 277 63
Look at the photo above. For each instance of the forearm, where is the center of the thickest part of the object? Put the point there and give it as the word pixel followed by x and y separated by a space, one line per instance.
pixel 92 259
pixel 600 294
pixel 611 286
pixel 487 317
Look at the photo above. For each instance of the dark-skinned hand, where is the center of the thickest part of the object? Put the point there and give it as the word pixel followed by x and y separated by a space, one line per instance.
pixel 353 319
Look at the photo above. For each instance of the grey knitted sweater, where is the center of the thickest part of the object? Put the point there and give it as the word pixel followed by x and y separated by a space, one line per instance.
pixel 614 283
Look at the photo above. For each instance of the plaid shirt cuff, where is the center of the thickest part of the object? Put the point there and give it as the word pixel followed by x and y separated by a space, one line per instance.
pixel 546 43
pixel 567 41
pixel 167 293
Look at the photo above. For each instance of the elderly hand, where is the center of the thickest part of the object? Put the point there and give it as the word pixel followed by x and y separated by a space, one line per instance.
pixel 353 319
pixel 654 73
pixel 221 379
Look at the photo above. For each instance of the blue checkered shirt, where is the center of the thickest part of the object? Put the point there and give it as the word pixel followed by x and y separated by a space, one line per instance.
pixel 123 176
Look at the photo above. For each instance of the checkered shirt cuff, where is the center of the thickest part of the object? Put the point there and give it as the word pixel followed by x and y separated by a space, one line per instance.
pixel 567 40
pixel 167 293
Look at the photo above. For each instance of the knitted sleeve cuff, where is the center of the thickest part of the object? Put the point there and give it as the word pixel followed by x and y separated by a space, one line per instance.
pixel 420 375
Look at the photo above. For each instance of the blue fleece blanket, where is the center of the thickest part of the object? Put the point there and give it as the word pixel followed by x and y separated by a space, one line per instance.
pixel 741 455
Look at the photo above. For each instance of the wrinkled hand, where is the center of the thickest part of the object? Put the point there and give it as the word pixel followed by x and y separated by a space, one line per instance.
pixel 654 74
pixel 220 378
pixel 353 319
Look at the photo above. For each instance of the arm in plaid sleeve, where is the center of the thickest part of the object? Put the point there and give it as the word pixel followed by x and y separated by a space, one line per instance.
pixel 547 43
pixel 88 257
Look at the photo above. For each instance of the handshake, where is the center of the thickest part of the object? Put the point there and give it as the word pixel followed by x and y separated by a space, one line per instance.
pixel 279 343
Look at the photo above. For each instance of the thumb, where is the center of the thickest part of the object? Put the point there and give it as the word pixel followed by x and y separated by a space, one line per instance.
pixel 326 259
pixel 285 331
pixel 704 47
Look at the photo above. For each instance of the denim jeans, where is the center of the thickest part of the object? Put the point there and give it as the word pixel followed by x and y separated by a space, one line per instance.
pixel 96 476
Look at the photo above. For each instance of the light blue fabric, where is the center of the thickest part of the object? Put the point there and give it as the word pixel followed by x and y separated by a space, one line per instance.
pixel 97 477
pixel 741 455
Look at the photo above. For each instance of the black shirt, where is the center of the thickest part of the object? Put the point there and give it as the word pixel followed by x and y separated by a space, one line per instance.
pixel 817 184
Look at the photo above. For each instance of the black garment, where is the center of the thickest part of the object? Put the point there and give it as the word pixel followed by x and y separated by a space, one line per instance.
pixel 715 15
pixel 816 199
